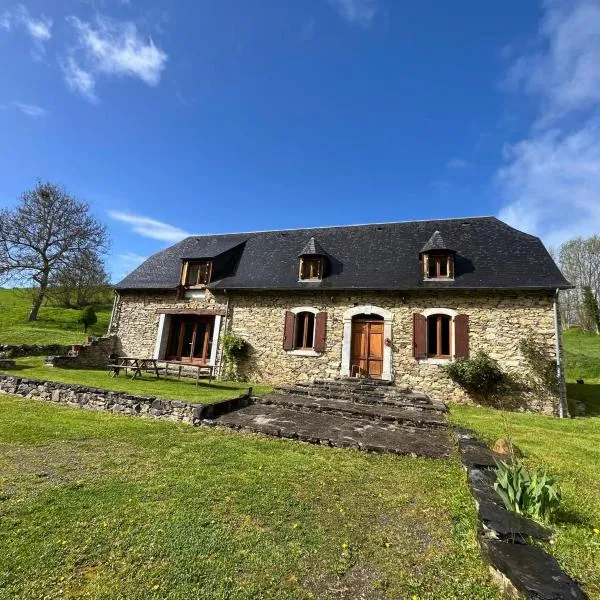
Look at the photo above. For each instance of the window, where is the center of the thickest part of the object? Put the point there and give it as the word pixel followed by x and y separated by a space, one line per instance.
pixel 439 336
pixel 196 274
pixel 438 266
pixel 304 333
pixel 311 269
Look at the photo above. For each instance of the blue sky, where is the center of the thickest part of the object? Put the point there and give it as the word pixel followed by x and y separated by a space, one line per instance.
pixel 237 115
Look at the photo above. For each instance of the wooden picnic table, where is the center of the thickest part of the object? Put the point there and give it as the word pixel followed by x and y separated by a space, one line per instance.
pixel 137 364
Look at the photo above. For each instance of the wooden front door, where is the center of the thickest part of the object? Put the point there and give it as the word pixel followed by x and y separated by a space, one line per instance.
pixel 366 357
pixel 191 339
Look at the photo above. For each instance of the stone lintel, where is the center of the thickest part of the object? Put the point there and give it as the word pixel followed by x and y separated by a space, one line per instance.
pixel 191 311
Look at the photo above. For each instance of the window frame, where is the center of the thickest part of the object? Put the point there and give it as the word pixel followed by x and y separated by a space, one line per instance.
pixel 437 258
pixel 439 320
pixel 186 271
pixel 307 318
pixel 312 259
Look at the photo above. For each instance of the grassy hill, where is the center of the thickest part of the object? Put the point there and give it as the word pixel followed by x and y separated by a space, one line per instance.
pixel 582 359
pixel 54 325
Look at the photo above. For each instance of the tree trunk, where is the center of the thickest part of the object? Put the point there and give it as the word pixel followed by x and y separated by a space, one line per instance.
pixel 39 298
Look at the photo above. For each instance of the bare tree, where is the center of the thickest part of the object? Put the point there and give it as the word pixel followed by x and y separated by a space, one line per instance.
pixel 82 282
pixel 579 261
pixel 45 233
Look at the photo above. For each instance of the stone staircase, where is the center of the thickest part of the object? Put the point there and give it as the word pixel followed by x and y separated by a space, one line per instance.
pixel 353 413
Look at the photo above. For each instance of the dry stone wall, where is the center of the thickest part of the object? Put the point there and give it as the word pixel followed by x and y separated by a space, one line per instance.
pixel 497 322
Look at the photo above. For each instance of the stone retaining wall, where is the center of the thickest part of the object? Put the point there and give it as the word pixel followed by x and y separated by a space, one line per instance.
pixel 79 396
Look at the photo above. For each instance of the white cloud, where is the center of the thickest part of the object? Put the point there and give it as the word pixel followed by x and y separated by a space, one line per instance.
pixel 151 228
pixel 5 21
pixel 356 12
pixel 112 47
pixel 457 163
pixel 40 29
pixel 31 110
pixel 78 80
pixel 551 181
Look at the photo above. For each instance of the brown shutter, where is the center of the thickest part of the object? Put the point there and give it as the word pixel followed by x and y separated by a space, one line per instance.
pixel 320 331
pixel 288 330
pixel 461 333
pixel 419 336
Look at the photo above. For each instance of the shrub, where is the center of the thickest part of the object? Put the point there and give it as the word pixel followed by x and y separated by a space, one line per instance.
pixel 235 349
pixel 533 495
pixel 11 351
pixel 88 317
pixel 480 375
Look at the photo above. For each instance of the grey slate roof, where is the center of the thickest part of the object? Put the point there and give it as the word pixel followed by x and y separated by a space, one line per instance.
pixel 435 242
pixel 312 247
pixel 489 255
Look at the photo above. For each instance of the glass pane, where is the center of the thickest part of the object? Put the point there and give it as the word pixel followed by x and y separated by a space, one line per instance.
pixel 192 274
pixel 188 335
pixel 443 266
pixel 432 349
pixel 199 343
pixel 203 273
pixel 432 267
pixel 445 351
pixel 310 330
pixel 174 344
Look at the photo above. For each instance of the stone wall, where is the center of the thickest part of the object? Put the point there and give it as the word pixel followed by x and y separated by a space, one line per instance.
pixel 135 319
pixel 79 396
pixel 90 355
pixel 497 322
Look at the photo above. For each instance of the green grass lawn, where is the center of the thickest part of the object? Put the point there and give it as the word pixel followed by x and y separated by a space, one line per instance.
pixel 102 506
pixel 54 325
pixel 148 385
pixel 570 449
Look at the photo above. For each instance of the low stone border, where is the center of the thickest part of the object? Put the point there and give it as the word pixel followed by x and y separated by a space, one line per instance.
pixel 80 396
pixel 521 569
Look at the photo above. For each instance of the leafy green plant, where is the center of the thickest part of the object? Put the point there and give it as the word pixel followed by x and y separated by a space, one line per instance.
pixel 480 375
pixel 541 365
pixel 88 317
pixel 535 495
pixel 235 349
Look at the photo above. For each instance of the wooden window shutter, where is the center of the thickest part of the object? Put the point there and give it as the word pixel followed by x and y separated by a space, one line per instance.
pixel 419 336
pixel 461 336
pixel 288 330
pixel 320 331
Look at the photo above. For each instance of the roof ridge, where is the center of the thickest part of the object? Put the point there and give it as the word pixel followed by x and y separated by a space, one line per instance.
pixel 199 235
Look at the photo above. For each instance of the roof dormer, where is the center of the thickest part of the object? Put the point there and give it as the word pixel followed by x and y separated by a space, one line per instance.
pixel 437 259
pixel 312 261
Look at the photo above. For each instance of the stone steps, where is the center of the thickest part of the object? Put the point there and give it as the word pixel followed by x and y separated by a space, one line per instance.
pixel 375 412
pixel 339 431
pixel 356 413
pixel 412 400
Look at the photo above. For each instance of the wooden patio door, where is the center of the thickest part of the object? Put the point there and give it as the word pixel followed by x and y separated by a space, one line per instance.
pixel 366 355
pixel 191 340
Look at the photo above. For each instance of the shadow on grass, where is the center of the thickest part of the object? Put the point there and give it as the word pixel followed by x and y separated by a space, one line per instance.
pixel 570 517
pixel 589 394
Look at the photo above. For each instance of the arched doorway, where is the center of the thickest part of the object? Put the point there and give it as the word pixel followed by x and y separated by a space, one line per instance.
pixel 366 351
pixel 365 342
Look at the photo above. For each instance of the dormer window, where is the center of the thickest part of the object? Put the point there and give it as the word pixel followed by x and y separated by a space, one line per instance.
pixel 438 266
pixel 311 268
pixel 437 258
pixel 312 262
pixel 196 273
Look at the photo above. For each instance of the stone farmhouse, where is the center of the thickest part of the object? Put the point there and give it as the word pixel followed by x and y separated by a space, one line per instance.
pixel 391 301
